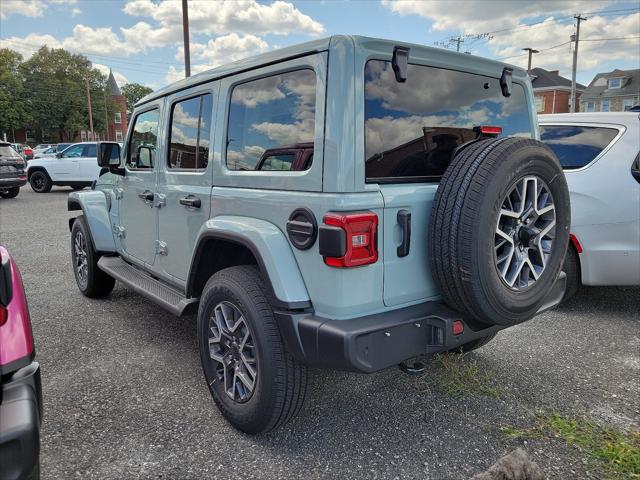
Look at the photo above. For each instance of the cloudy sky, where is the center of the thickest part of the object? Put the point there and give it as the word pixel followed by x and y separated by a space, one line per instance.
pixel 142 39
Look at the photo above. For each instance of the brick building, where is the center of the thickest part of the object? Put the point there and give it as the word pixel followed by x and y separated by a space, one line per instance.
pixel 552 93
pixel 117 127
pixel 615 91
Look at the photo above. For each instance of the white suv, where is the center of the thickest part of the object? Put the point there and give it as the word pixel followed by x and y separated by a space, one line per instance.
pixel 76 167
pixel 599 154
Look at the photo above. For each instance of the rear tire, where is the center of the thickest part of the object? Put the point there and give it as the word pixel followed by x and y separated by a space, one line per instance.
pixel 10 193
pixel 572 269
pixel 40 182
pixel 92 282
pixel 254 396
pixel 475 204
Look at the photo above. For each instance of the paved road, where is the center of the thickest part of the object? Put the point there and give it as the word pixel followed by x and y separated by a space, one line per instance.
pixel 125 398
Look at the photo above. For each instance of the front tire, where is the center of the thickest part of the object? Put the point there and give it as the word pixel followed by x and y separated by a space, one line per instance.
pixel 92 282
pixel 10 193
pixel 254 381
pixel 40 182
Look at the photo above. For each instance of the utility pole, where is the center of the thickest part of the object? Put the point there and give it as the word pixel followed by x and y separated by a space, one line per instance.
pixel 86 82
pixel 531 52
pixel 185 32
pixel 457 41
pixel 575 62
pixel 107 137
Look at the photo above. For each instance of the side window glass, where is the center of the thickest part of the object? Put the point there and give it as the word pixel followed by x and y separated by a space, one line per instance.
pixel 143 141
pixel 90 150
pixel 276 112
pixel 574 145
pixel 282 162
pixel 190 130
pixel 73 152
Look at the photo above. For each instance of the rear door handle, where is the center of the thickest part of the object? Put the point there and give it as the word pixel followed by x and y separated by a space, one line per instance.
pixel 190 201
pixel 147 196
pixel 404 219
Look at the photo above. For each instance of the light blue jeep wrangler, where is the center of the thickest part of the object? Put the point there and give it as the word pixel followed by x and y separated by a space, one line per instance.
pixel 348 203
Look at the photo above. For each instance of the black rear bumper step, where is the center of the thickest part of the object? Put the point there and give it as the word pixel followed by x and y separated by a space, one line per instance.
pixel 155 290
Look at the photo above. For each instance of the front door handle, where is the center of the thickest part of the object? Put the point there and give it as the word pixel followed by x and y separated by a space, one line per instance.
pixel 147 196
pixel 404 219
pixel 190 201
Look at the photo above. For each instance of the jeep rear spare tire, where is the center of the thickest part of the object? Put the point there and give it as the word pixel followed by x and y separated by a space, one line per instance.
pixel 499 229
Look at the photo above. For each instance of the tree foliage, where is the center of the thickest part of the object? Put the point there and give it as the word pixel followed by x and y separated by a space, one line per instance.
pixel 14 110
pixel 49 91
pixel 132 93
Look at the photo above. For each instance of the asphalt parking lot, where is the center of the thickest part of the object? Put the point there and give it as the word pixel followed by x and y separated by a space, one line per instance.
pixel 124 396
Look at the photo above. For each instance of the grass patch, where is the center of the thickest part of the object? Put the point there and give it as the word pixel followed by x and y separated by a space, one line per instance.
pixel 457 374
pixel 616 452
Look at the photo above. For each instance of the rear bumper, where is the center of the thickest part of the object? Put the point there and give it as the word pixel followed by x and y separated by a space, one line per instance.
pixel 372 343
pixel 10 182
pixel 20 415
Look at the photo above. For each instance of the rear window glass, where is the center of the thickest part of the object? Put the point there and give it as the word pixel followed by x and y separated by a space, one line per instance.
pixel 270 113
pixel 412 128
pixel 576 146
pixel 7 151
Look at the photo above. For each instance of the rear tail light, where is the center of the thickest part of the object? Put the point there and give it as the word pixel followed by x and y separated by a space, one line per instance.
pixel 3 315
pixel 359 232
pixel 576 243
pixel 488 130
pixel 457 327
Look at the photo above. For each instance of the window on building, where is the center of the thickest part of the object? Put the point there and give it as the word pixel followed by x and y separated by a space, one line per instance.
pixel 118 135
pixel 615 82
pixel 539 103
pixel 190 133
pixel 143 141
pixel 627 103
pixel 413 128
pixel 118 118
pixel 605 105
pixel 270 113
pixel 576 146
pixel 591 106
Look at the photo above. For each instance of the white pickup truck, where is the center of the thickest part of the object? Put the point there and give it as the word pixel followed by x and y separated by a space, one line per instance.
pixel 75 167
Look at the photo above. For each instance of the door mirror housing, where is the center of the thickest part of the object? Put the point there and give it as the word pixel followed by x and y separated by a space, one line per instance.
pixel 59 155
pixel 109 157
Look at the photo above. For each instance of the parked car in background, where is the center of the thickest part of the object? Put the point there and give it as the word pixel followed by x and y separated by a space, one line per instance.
pixel 20 386
pixel 340 206
pixel 53 150
pixel 600 155
pixel 41 147
pixel 12 171
pixel 76 166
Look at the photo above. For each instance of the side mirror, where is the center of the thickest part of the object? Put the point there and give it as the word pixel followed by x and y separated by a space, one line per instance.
pixel 145 157
pixel 59 155
pixel 109 157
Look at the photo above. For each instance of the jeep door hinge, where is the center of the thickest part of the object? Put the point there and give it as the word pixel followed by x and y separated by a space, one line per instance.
pixel 161 247
pixel 119 192
pixel 160 200
pixel 118 231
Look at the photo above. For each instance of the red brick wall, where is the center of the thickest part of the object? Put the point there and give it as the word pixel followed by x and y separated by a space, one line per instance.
pixel 122 106
pixel 561 104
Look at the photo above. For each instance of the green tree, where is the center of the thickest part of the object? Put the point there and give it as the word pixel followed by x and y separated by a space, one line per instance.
pixel 56 83
pixel 14 110
pixel 132 93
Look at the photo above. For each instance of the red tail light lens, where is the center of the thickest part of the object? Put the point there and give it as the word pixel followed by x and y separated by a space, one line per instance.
pixel 576 243
pixel 490 130
pixel 3 315
pixel 361 230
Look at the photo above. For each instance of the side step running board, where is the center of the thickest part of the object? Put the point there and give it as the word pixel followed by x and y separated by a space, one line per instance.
pixel 167 297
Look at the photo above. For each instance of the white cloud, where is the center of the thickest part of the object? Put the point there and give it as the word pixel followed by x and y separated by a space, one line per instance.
pixel 27 8
pixel 241 16
pixel 477 16
pixel 591 54
pixel 224 49
pixel 27 46
pixel 101 41
pixel 75 12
